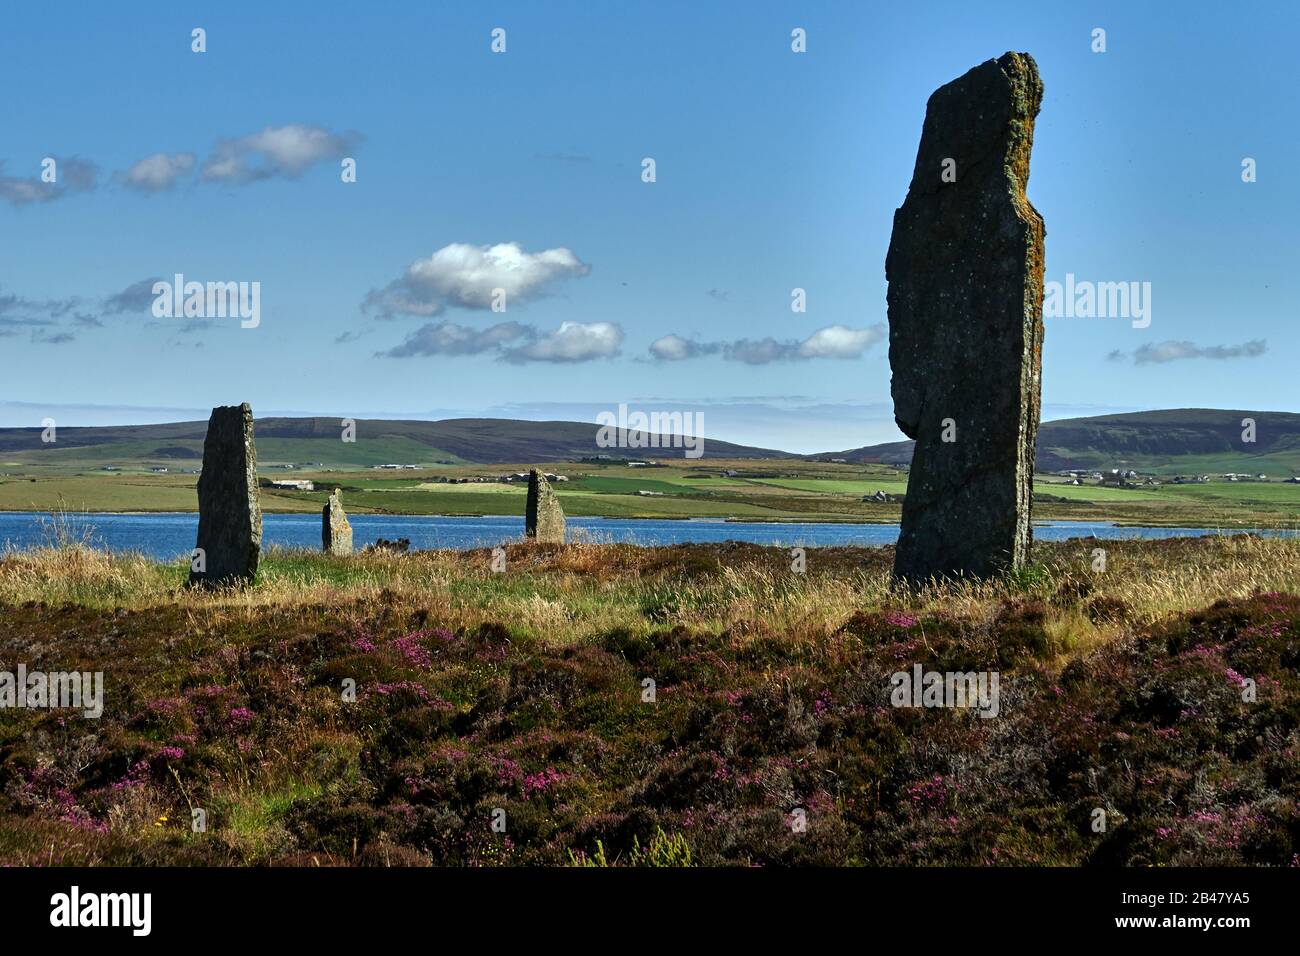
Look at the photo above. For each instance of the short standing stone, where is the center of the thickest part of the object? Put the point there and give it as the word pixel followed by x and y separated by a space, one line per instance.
pixel 965 271
pixel 230 520
pixel 543 518
pixel 335 531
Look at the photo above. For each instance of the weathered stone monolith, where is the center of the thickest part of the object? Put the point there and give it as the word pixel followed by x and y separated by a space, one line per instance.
pixel 543 517
pixel 335 529
pixel 965 271
pixel 230 520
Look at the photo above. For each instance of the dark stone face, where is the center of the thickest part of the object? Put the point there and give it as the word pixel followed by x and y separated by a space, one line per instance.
pixel 543 517
pixel 230 519
pixel 965 271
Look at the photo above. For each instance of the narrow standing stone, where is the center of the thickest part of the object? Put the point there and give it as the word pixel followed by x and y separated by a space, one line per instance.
pixel 965 271
pixel 230 520
pixel 543 517
pixel 336 530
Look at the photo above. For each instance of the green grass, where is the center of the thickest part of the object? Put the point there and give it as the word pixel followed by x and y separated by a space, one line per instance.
pixel 760 490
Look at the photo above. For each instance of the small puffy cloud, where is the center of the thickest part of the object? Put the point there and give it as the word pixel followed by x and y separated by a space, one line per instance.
pixel 674 348
pixel 759 351
pixel 840 342
pixel 465 275
pixel 514 342
pixel 571 342
pixel 833 342
pixel 72 175
pixel 137 297
pixel 1173 351
pixel 275 151
pixel 159 172
pixel 448 338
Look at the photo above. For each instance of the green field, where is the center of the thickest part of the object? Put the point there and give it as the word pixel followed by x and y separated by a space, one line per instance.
pixel 780 490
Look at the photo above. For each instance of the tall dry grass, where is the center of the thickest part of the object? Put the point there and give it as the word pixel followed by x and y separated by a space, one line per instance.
pixel 588 589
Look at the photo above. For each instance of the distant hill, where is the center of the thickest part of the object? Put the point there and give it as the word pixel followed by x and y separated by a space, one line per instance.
pixel 1173 441
pixel 379 442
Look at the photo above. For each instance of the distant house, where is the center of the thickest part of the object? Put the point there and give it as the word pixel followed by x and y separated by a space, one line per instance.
pixel 159 469
pixel 293 484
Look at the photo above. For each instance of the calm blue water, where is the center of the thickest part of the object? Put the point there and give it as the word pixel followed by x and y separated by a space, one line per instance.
pixel 170 535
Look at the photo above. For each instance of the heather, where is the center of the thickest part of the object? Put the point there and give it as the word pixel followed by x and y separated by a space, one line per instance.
pixel 1163 691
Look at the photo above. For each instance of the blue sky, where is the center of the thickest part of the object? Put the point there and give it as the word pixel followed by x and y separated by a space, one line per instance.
pixel 774 171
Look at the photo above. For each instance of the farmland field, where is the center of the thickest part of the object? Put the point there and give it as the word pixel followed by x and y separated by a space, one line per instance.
pixel 782 489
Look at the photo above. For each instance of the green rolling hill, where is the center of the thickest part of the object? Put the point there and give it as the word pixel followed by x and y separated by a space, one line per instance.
pixel 318 440
pixel 1169 442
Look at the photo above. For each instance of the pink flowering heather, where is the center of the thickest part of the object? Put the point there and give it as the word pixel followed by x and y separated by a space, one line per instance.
pixel 508 771
pixel 136 776
pixel 419 690
pixel 415 654
pixel 899 619
pixel 928 793
pixel 543 781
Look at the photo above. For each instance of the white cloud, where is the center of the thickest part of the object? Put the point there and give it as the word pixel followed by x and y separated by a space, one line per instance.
pixel 834 342
pixel 158 172
pixel 674 348
pixel 841 342
pixel 275 151
pixel 448 338
pixel 571 342
pixel 465 275
pixel 1172 351
pixel 73 175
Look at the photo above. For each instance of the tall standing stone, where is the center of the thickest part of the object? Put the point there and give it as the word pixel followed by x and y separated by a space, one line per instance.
pixel 543 517
pixel 230 520
pixel 335 530
pixel 965 271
